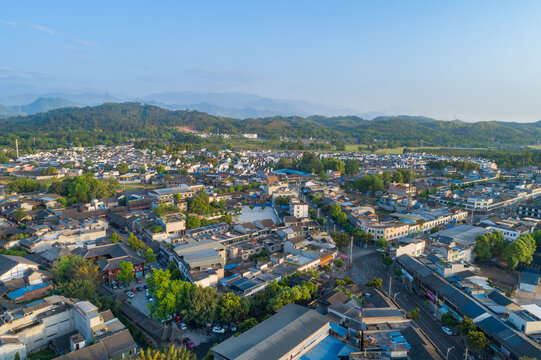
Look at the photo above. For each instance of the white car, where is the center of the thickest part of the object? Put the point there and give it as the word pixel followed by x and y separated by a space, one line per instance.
pixel 130 294
pixel 218 330
pixel 183 326
pixel 447 331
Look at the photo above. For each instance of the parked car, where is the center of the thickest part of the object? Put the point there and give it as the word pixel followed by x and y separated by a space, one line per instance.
pixel 233 327
pixel 183 326
pixel 151 300
pixel 130 294
pixel 139 281
pixel 447 331
pixel 120 285
pixel 218 329
pixel 189 343
pixel 114 286
pixel 139 288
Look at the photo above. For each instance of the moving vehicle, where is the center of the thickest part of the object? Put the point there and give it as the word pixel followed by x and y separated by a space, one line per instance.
pixel 447 331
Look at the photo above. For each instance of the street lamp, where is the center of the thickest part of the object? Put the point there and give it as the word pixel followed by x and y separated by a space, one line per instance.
pixel 449 349
pixel 394 296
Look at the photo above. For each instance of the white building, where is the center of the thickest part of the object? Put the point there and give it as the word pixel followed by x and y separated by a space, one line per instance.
pixel 298 208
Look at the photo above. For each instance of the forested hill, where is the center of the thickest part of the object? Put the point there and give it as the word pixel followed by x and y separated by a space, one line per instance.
pixel 115 122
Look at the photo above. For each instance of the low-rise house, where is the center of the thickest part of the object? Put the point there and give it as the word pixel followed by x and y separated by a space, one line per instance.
pixel 527 320
pixel 14 267
pixel 109 257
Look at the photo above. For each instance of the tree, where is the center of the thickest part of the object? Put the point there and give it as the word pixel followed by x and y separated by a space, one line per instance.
pixel 247 324
pixel 342 219
pixel 339 263
pixel 382 243
pixel 376 283
pixel 397 177
pixel 171 353
pixel 482 247
pixel 351 166
pixel 24 185
pixel 476 340
pixel 135 243
pixel 323 176
pixel 340 239
pixel 520 250
pixel 160 169
pixel 448 319
pixel 149 256
pixel 17 356
pixel 200 202
pixel 19 214
pixel 115 238
pixel 233 307
pixel 414 314
pixel 193 222
pixel 201 306
pixel 4 159
pixel 123 168
pixel 76 277
pixel 497 243
pixel 466 325
pixel 377 184
pixel 125 274
pixel 536 235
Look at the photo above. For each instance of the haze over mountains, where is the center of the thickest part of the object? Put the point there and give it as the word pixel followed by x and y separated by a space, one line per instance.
pixel 118 122
pixel 237 105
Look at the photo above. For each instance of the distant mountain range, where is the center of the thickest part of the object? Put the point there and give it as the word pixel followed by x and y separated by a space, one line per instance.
pixel 237 105
pixel 117 122
pixel 40 105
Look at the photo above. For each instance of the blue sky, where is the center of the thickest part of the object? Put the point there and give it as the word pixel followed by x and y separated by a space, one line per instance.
pixel 474 60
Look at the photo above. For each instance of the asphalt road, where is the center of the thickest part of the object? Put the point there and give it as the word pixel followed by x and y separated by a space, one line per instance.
pixel 367 265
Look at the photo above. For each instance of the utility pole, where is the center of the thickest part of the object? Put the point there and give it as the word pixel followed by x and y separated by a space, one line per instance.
pixel 17 148
pixel 350 251
pixel 390 279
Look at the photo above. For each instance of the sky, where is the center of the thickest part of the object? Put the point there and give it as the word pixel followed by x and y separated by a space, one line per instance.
pixel 470 60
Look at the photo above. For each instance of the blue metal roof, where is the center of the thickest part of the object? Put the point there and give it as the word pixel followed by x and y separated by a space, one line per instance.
pixel 340 330
pixel 26 289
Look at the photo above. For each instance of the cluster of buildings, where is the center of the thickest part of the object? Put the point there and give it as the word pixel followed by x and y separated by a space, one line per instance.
pixel 274 228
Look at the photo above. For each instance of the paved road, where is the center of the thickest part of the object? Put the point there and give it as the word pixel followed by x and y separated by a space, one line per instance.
pixel 367 265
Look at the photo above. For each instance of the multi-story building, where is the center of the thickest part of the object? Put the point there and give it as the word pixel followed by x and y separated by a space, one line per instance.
pixel 390 230
pixel 402 190
pixel 530 209
pixel 298 208
pixel 43 323
pixel 201 262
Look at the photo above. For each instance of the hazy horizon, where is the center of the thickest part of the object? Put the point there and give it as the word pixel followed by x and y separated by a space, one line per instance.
pixel 469 61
